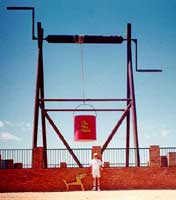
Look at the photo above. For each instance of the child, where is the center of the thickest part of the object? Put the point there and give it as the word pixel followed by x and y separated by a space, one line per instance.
pixel 96 167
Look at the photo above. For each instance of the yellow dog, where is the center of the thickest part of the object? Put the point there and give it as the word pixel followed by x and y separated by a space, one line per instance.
pixel 77 182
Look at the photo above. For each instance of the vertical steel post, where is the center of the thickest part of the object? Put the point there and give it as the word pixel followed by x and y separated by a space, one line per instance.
pixel 36 102
pixel 40 94
pixel 127 121
pixel 40 43
pixel 132 94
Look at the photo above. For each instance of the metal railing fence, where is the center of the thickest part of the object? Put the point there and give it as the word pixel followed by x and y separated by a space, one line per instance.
pixel 165 150
pixel 116 156
pixel 55 156
pixel 23 156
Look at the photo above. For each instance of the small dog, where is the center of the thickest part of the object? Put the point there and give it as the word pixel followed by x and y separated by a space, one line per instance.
pixel 77 182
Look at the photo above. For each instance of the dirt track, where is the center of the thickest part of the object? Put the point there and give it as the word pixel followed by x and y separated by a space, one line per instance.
pixel 90 195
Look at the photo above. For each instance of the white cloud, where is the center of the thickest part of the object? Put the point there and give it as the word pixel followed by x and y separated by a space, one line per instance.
pixel 165 132
pixel 1 124
pixel 5 124
pixel 23 126
pixel 147 136
pixel 8 123
pixel 28 125
pixel 6 136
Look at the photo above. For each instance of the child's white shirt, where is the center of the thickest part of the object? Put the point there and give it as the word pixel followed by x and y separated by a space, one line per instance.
pixel 95 164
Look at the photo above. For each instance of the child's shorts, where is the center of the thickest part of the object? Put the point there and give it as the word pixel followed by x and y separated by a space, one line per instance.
pixel 96 173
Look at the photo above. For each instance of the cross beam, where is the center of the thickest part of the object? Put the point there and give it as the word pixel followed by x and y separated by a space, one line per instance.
pixel 89 39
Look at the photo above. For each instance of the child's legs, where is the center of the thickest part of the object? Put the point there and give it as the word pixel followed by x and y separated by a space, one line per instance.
pixel 98 182
pixel 96 178
pixel 94 181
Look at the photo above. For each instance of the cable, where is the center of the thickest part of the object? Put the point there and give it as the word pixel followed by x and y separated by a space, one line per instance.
pixel 81 41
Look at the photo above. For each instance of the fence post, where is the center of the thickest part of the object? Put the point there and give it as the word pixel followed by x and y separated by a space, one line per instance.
pixel 37 157
pixel 163 161
pixel 106 164
pixel 97 149
pixel 9 164
pixel 18 165
pixel 63 165
pixel 172 159
pixel 154 155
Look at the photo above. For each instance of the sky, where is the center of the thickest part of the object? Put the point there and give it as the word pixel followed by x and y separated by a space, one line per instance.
pixel 153 24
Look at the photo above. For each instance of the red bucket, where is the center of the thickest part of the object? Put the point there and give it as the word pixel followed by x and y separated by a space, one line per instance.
pixel 84 127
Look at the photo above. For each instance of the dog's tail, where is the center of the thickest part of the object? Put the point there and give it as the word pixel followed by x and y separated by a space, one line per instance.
pixel 66 183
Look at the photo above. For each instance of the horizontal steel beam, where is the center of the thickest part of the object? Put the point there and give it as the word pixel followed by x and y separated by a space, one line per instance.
pixel 84 100
pixel 19 8
pixel 84 110
pixel 149 70
pixel 90 39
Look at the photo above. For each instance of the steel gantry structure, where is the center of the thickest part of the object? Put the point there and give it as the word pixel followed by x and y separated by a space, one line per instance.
pixel 128 112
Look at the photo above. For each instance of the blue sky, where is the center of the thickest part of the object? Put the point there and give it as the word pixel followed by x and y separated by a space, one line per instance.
pixel 153 24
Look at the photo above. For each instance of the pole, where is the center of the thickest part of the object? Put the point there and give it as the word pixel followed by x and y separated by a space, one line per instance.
pixel 127 118
pixel 40 43
pixel 40 94
pixel 132 94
